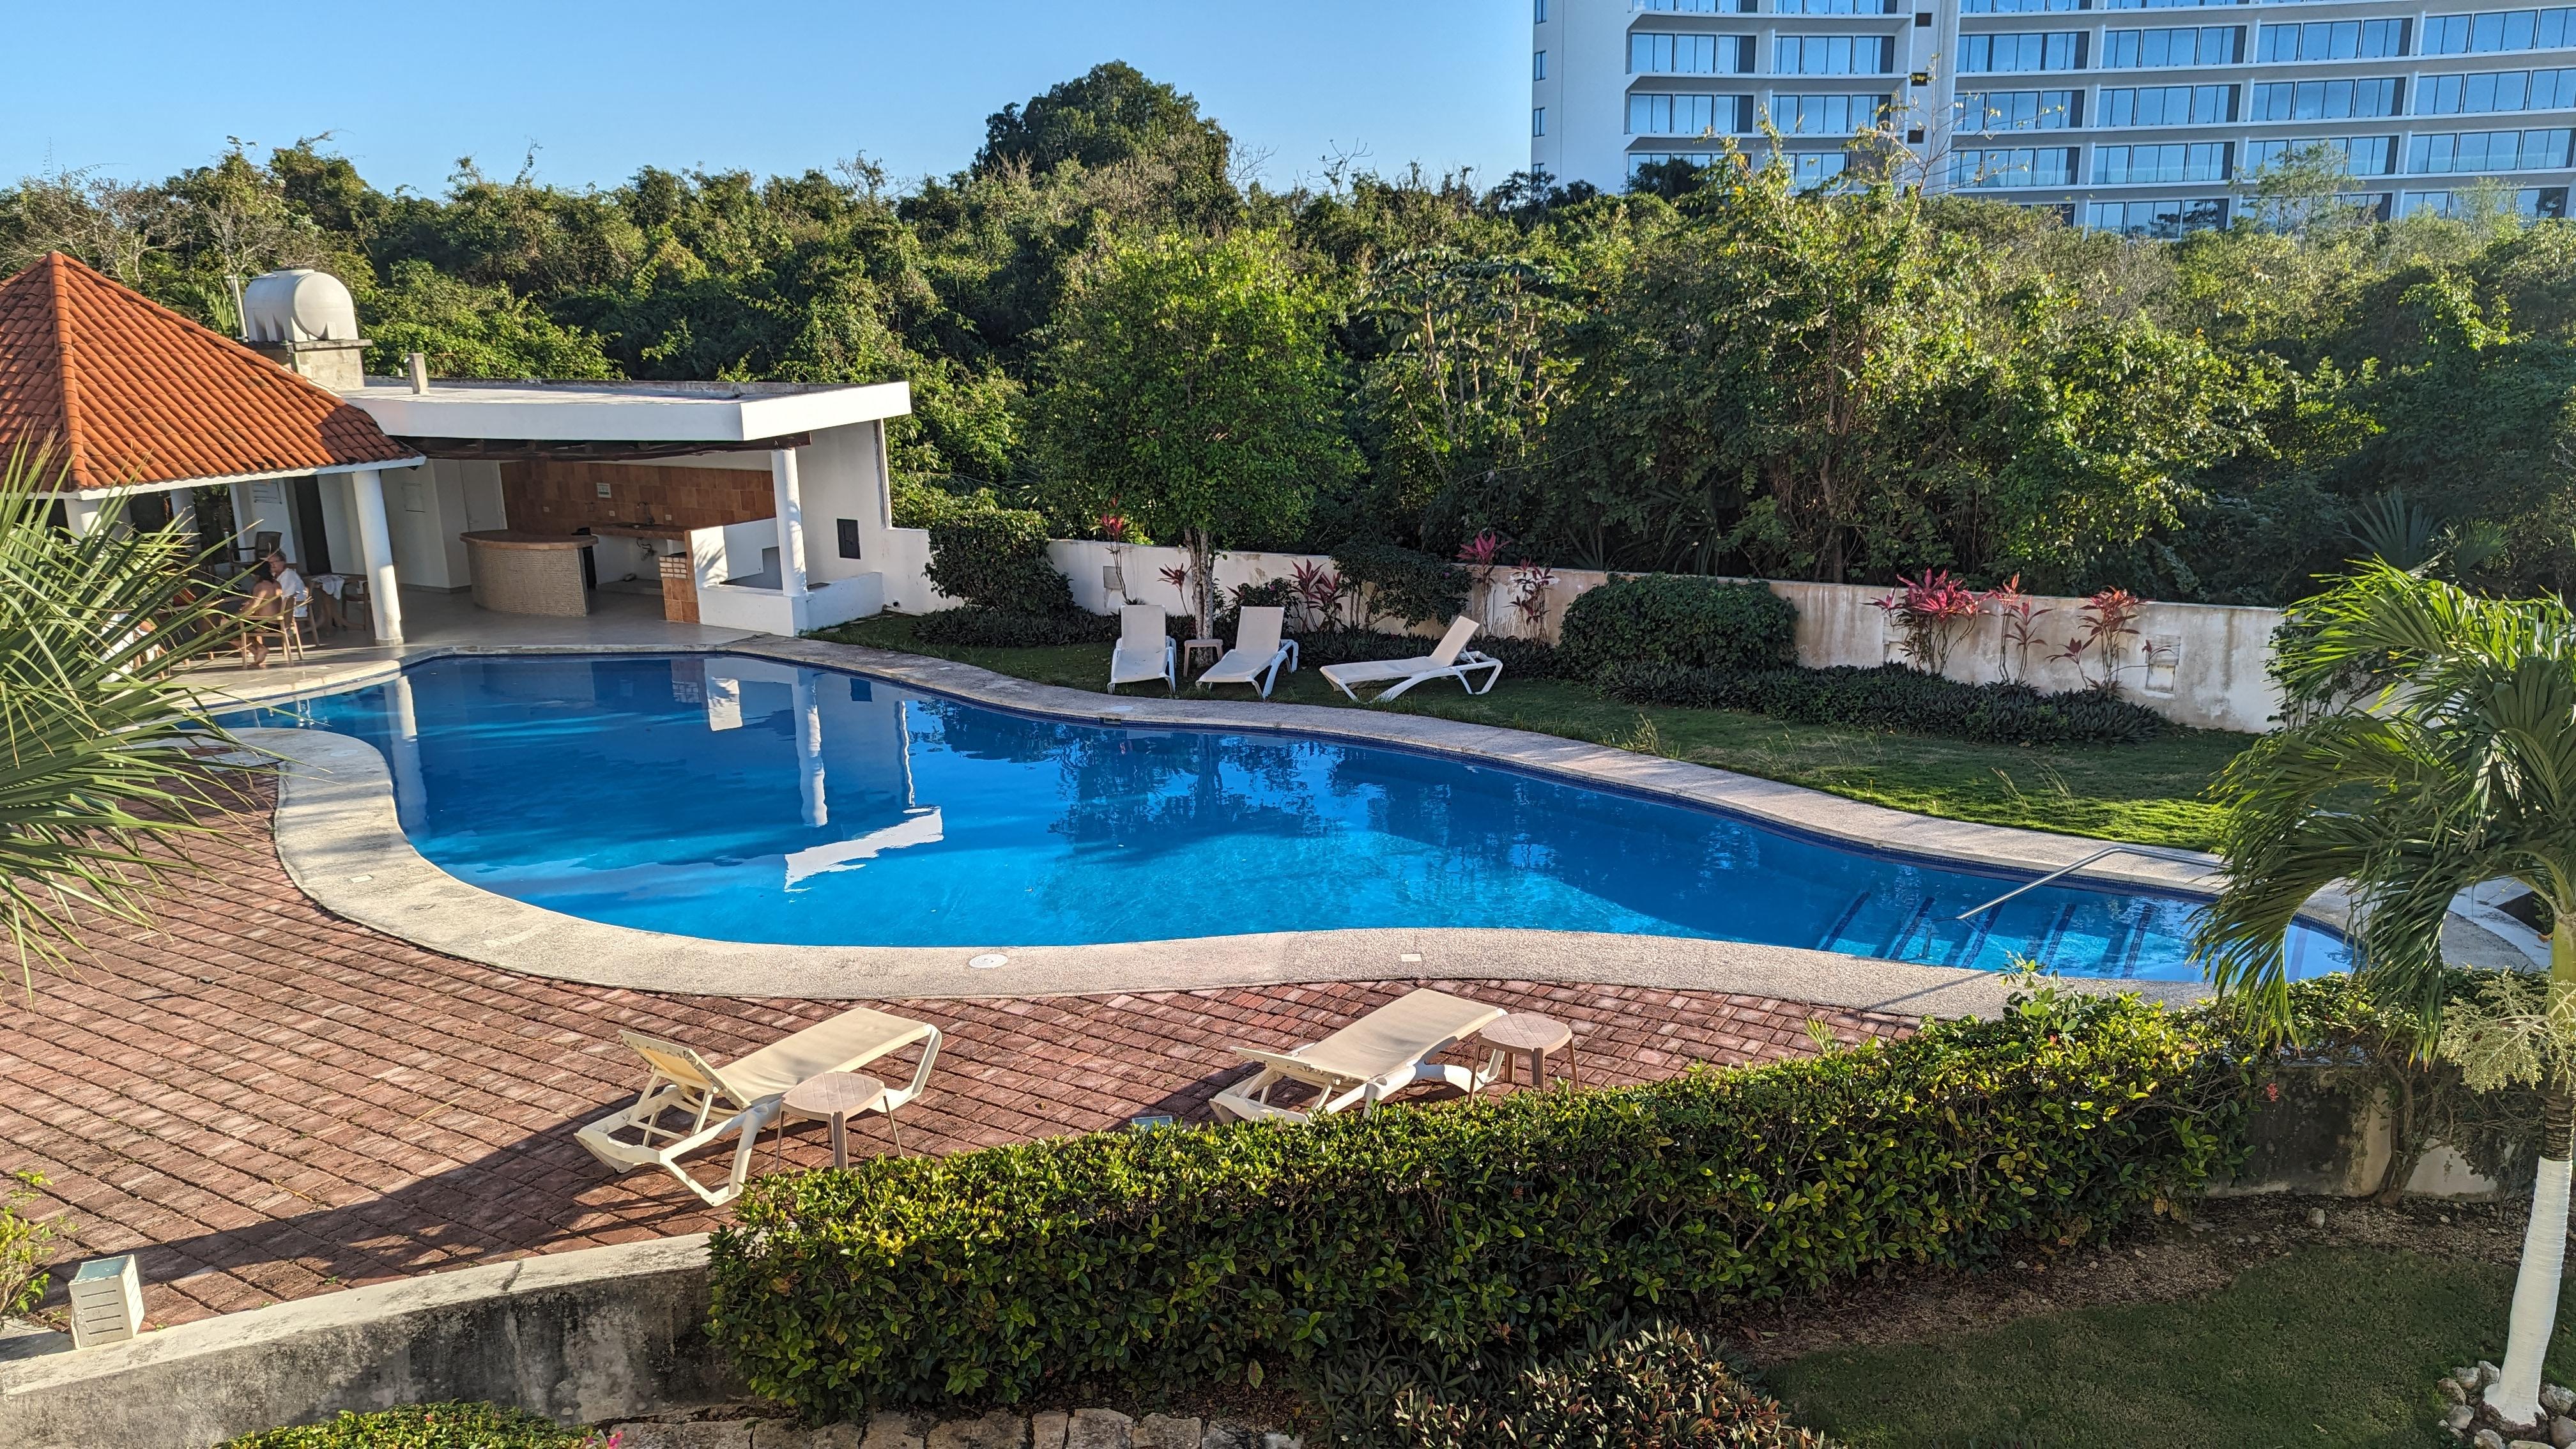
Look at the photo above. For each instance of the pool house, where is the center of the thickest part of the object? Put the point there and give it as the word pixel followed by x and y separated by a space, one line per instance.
pixel 747 507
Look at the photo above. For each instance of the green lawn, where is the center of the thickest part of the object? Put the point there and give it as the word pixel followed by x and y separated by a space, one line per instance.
pixel 2144 793
pixel 2326 1346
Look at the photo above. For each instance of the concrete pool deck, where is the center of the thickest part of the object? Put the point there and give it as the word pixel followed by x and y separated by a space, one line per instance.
pixel 340 840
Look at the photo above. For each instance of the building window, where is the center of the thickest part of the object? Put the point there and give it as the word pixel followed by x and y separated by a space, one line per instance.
pixel 2500 30
pixel 1697 7
pixel 1538 12
pixel 2161 4
pixel 1538 66
pixel 2017 166
pixel 2157 220
pixel 1538 121
pixel 2531 201
pixel 2021 51
pixel 1834 55
pixel 2362 155
pixel 2332 40
pixel 2169 106
pixel 2196 161
pixel 2500 90
pixel 2182 45
pixel 1651 54
pixel 1983 112
pixel 1809 169
pixel 1835 7
pixel 2489 151
pixel 1698 160
pixel 1661 115
pixel 2324 100
pixel 1827 115
pixel 2016 7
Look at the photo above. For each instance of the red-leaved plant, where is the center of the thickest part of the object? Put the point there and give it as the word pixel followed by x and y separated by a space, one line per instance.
pixel 1929 609
pixel 1530 583
pixel 1320 594
pixel 2110 620
pixel 2018 612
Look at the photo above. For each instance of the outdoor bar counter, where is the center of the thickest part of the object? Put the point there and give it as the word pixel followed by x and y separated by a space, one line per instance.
pixel 528 573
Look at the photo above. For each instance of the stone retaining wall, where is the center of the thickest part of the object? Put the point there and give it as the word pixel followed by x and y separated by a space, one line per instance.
pixel 594 1334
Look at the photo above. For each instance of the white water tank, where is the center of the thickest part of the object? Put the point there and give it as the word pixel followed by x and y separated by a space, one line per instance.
pixel 298 305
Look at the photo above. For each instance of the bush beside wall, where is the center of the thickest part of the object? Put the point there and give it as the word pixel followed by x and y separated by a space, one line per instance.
pixel 1679 621
pixel 1219 1254
pixel 974 626
pixel 1892 698
pixel 427 1426
pixel 997 557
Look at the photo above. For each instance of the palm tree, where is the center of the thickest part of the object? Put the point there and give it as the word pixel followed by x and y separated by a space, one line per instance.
pixel 94 724
pixel 2431 746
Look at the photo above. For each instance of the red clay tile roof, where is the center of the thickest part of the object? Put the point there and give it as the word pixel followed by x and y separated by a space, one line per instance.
pixel 128 391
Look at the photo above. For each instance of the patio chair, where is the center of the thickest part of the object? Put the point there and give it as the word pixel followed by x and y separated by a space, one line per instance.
pixel 1145 649
pixel 682 1082
pixel 1380 1054
pixel 1452 660
pixel 1257 653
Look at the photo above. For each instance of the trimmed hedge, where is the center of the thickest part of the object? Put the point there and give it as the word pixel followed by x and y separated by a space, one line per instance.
pixel 997 557
pixel 1656 1386
pixel 973 626
pixel 1224 1253
pixel 1680 621
pixel 1895 699
pixel 426 1426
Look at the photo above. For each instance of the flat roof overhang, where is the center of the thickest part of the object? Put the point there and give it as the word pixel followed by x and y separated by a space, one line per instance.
pixel 630 418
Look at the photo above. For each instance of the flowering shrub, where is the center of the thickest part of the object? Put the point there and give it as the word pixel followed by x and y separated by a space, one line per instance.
pixel 1320 595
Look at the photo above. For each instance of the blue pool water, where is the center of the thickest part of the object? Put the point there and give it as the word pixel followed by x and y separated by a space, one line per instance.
pixel 739 799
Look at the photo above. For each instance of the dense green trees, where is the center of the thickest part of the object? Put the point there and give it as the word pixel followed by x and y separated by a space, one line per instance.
pixel 1187 389
pixel 1712 373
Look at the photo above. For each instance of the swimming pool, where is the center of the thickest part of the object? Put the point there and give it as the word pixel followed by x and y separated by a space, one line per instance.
pixel 742 799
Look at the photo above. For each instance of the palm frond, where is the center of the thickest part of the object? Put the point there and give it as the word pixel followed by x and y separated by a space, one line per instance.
pixel 95 727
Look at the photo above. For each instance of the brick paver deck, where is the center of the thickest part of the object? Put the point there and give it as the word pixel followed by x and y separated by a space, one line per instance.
pixel 267 1102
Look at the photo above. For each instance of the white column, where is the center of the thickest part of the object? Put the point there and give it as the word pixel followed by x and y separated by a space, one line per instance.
pixel 376 548
pixel 808 725
pixel 791 527
pixel 80 513
pixel 411 796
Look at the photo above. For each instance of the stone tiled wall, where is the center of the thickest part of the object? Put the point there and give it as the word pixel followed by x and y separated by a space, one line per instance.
pixel 564 497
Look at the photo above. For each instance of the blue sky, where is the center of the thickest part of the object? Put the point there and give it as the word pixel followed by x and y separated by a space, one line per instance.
pixel 601 89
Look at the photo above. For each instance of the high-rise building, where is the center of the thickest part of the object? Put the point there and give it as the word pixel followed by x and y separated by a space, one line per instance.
pixel 2141 116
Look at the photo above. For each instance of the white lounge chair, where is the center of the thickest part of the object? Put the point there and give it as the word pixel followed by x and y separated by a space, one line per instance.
pixel 1452 660
pixel 1145 649
pixel 1372 1058
pixel 682 1082
pixel 1257 653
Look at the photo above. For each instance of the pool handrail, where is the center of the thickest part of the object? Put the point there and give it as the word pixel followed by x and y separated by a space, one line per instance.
pixel 2153 852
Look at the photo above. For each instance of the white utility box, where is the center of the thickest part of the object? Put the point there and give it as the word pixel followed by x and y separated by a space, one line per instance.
pixel 107 1302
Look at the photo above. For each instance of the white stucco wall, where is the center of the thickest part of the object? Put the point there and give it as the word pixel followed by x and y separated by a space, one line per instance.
pixel 2210 658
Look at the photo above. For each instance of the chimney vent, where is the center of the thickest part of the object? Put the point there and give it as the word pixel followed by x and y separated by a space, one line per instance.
pixel 417 367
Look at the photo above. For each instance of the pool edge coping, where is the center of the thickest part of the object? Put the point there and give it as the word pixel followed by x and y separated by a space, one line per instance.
pixel 337 834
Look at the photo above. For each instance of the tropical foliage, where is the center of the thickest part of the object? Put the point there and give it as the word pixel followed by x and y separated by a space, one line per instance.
pixel 1713 373
pixel 94 728
pixel 2432 748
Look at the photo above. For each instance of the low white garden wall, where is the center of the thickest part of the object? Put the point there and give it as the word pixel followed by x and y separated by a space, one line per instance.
pixel 2196 664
